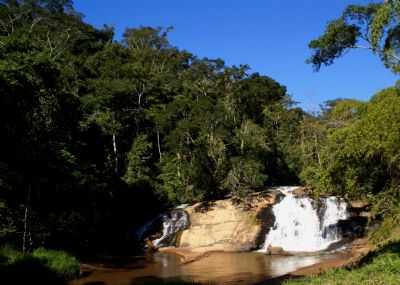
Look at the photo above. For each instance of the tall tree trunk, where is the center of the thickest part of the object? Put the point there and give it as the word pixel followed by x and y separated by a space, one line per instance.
pixel 159 145
pixel 115 153
pixel 302 139
pixel 140 99
pixel 316 146
pixel 26 220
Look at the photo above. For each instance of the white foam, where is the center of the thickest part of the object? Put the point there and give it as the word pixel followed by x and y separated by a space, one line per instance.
pixel 298 226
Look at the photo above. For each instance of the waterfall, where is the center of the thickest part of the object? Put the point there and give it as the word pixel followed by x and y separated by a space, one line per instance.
pixel 302 226
pixel 144 231
pixel 173 223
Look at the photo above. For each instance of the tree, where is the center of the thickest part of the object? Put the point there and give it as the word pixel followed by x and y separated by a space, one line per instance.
pixel 138 170
pixel 360 158
pixel 374 27
pixel 147 38
pixel 53 6
pixel 245 177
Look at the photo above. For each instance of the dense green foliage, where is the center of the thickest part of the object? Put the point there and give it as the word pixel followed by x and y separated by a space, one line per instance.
pixel 358 154
pixel 60 262
pixel 98 135
pixel 373 26
pixel 383 268
pixel 358 158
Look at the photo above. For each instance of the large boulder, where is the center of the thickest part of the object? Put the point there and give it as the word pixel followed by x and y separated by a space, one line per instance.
pixel 276 250
pixel 362 205
pixel 228 226
pixel 360 209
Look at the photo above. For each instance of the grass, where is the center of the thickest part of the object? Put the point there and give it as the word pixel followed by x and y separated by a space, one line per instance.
pixel 60 262
pixel 40 267
pixel 380 268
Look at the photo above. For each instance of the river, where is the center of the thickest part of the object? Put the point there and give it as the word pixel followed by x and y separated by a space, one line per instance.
pixel 215 268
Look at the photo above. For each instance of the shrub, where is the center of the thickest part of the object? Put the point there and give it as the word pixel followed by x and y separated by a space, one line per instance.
pixel 29 270
pixel 45 266
pixel 9 255
pixel 63 264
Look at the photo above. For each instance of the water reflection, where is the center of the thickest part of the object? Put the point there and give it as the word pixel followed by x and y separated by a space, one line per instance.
pixel 283 265
pixel 218 268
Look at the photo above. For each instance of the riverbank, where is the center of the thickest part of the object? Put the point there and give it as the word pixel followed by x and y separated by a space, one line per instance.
pixel 381 267
pixel 359 249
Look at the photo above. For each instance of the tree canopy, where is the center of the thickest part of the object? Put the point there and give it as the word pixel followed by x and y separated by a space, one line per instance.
pixel 372 26
pixel 98 135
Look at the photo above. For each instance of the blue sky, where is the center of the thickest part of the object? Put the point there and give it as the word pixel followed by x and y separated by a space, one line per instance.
pixel 269 35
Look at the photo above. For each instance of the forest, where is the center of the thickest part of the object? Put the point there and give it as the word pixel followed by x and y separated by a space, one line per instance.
pixel 98 135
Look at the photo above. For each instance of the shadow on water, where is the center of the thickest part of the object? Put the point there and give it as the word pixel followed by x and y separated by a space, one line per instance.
pixel 123 262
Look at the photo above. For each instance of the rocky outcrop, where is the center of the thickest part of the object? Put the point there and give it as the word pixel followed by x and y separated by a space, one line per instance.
pixel 301 192
pixel 360 209
pixel 276 250
pixel 360 217
pixel 225 225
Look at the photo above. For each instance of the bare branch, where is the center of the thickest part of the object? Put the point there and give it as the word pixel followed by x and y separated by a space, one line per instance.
pixel 49 43
pixel 65 46
pixel 379 51
pixel 34 23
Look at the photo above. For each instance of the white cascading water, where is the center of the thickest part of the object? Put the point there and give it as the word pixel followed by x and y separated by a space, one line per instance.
pixel 302 227
pixel 173 222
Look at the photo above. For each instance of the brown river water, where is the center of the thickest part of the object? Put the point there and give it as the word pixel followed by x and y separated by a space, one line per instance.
pixel 215 268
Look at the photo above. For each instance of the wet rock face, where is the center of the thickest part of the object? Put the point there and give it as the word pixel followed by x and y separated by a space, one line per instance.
pixel 354 227
pixel 357 224
pixel 150 230
pixel 164 230
pixel 268 220
pixel 174 223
